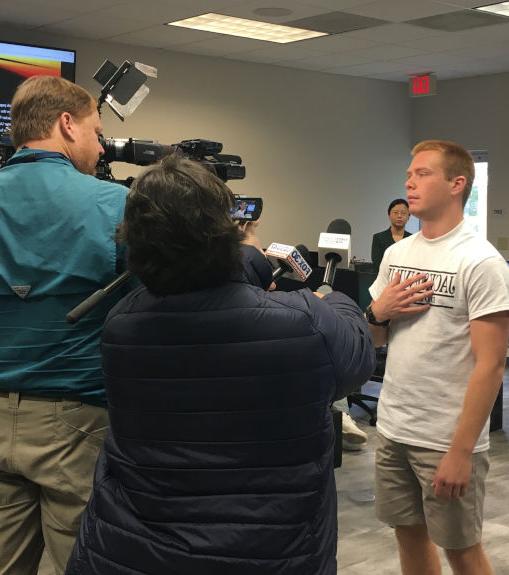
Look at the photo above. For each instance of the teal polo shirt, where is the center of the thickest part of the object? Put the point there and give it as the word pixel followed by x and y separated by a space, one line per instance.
pixel 57 246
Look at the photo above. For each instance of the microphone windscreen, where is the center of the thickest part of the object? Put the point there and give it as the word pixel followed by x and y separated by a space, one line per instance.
pixel 339 227
pixel 304 252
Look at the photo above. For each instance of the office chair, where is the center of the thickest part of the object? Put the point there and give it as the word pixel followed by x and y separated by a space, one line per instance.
pixel 359 399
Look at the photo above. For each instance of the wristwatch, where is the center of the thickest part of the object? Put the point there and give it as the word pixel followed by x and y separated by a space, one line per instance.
pixel 370 316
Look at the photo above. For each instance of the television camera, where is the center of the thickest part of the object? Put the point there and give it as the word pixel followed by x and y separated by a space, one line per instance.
pixel 146 152
pixel 123 89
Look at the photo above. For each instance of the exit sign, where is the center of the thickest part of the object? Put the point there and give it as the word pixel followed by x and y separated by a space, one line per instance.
pixel 423 85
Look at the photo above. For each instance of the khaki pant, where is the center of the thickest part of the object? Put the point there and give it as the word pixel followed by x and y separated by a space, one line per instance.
pixel 48 451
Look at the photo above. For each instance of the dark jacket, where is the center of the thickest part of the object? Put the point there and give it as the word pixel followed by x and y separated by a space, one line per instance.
pixel 219 459
pixel 379 244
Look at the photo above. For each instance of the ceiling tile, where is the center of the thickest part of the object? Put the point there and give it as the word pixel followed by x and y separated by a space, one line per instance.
pixel 401 10
pixel 336 22
pixel 366 69
pixel 162 36
pixel 459 21
pixel 337 4
pixel 498 32
pixel 164 11
pixel 439 41
pixel 92 26
pixel 197 6
pixel 465 3
pixel 223 45
pixel 34 14
pixel 338 43
pixel 76 6
pixel 325 61
pixel 299 52
pixel 388 52
pixel 279 52
pixel 392 33
pixel 296 10
pixel 159 12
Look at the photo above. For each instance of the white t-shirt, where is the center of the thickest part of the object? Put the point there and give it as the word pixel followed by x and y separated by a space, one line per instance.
pixel 429 355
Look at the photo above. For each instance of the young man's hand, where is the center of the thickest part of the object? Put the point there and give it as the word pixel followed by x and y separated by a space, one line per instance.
pixel 453 475
pixel 399 297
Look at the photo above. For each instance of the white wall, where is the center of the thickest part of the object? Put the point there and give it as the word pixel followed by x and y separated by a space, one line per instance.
pixel 316 146
pixel 474 112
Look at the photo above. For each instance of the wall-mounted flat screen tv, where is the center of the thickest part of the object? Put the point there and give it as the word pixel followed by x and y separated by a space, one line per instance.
pixel 19 61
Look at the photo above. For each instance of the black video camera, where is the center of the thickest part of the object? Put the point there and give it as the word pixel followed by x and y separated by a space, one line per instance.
pixel 146 152
pixel 226 166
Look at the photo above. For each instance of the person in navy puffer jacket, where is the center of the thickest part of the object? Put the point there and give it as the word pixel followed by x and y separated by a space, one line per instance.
pixel 219 458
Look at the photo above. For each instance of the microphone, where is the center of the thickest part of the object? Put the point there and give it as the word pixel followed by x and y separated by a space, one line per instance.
pixel 90 302
pixel 334 250
pixel 289 261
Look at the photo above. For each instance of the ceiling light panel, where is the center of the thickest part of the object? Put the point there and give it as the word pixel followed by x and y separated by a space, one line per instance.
pixel 222 24
pixel 502 8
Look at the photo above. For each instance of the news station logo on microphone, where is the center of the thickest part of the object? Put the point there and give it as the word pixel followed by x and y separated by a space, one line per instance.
pixel 289 261
pixel 335 244
pixel 334 250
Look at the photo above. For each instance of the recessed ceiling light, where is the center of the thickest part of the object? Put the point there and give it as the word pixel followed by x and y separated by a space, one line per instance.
pixel 222 24
pixel 502 8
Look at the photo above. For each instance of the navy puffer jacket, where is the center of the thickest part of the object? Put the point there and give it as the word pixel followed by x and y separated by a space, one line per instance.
pixel 219 459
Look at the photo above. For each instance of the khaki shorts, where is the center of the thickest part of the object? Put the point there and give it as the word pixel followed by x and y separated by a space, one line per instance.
pixel 405 496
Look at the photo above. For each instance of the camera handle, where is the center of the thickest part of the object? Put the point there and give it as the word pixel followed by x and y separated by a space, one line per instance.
pixel 90 302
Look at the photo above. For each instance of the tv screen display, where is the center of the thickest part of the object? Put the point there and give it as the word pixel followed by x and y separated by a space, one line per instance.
pixel 19 61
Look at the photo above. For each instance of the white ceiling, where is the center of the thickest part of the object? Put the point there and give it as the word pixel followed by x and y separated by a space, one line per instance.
pixel 391 51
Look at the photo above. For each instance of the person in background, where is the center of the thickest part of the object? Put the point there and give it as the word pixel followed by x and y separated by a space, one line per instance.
pixel 57 246
pixel 441 299
pixel 219 457
pixel 398 216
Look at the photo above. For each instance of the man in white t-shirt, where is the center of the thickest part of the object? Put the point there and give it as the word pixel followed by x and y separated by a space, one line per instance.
pixel 441 301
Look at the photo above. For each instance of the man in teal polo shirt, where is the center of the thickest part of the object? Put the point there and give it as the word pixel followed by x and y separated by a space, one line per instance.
pixel 57 246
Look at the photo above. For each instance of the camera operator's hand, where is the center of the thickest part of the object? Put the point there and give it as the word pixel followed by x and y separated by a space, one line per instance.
pixel 250 237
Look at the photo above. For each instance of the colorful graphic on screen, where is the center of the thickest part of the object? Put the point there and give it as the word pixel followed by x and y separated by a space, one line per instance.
pixel 18 62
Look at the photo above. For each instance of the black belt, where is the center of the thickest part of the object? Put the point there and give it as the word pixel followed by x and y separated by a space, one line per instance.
pixel 37 397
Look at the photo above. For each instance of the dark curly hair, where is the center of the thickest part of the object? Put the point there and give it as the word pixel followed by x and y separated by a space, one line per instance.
pixel 178 228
